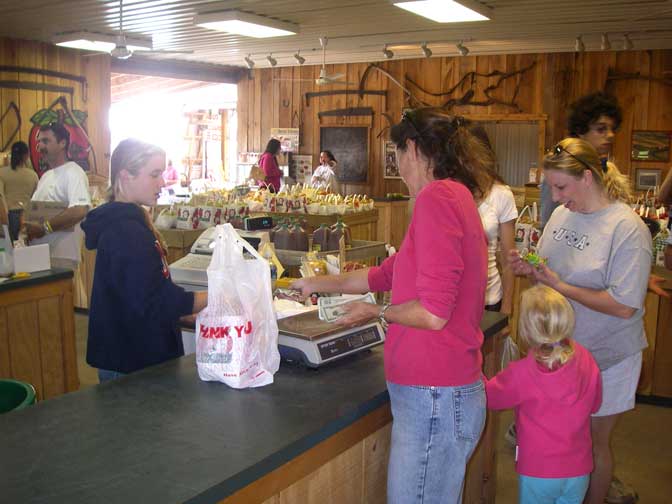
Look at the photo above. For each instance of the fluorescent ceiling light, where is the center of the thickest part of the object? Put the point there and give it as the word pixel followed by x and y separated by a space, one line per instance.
pixel 242 23
pixel 443 11
pixel 101 42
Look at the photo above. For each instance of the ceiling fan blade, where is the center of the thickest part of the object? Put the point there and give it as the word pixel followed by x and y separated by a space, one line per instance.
pixel 164 51
pixel 335 76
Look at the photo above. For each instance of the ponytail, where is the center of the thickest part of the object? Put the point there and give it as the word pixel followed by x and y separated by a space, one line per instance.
pixel 19 152
pixel 616 184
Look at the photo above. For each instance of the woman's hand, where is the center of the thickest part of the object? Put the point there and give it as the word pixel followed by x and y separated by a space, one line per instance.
pixel 305 285
pixel 546 275
pixel 518 266
pixel 357 313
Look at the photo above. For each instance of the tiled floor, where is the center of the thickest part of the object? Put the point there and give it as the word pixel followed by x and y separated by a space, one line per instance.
pixel 642 443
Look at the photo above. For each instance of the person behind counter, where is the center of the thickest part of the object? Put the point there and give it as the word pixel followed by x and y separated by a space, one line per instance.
pixel 18 181
pixel 325 175
pixel 498 214
pixel 554 390
pixel 65 182
pixel 598 256
pixel 268 163
pixel 135 306
pixel 438 279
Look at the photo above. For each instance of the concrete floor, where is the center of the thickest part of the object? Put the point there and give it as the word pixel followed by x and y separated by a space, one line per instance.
pixel 642 443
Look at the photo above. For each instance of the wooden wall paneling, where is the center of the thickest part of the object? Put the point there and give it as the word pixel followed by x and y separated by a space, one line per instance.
pixel 338 482
pixel 296 105
pixel 256 119
pixel 651 304
pixel 24 341
pixel 242 111
pixel 527 92
pixel 275 107
pixel 8 57
pixel 5 358
pixel 29 100
pixel 96 69
pixel 660 98
pixel 51 347
pixel 267 106
pixel 69 337
pixel 393 106
pixel 488 64
pixel 307 112
pixel 631 94
pixel 662 374
pixel 376 455
pixel 468 64
pixel 285 98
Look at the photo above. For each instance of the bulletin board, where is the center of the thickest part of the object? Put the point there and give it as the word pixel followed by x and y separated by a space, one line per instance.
pixel 350 147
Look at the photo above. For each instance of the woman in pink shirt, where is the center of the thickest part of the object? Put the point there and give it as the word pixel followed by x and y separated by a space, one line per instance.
pixel 437 279
pixel 269 165
pixel 553 391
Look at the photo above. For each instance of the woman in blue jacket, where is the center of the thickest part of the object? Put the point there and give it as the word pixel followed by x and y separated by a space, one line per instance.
pixel 135 306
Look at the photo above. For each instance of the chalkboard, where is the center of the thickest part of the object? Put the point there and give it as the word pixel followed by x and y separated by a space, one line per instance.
pixel 350 147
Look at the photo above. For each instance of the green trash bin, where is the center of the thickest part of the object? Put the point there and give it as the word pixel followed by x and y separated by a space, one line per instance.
pixel 15 395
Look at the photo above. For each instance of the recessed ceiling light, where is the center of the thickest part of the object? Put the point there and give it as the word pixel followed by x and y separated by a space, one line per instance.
pixel 243 23
pixel 444 11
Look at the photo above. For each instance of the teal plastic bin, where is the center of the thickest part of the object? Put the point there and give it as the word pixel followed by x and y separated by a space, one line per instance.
pixel 15 395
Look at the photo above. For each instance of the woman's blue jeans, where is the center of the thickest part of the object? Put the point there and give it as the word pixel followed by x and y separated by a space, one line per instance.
pixel 434 432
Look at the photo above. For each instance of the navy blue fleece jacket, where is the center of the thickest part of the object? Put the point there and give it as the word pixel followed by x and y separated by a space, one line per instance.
pixel 135 306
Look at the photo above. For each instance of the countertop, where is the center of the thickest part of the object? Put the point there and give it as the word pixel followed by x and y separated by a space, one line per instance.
pixel 36 278
pixel 163 435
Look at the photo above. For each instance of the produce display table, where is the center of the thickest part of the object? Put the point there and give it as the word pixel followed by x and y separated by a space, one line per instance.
pixel 363 225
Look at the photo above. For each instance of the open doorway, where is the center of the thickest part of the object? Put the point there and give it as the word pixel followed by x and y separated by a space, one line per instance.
pixel 193 121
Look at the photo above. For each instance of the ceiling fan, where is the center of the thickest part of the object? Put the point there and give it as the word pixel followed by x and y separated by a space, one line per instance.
pixel 324 78
pixel 124 50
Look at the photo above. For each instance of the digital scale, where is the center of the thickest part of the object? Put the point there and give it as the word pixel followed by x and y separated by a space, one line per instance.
pixel 307 339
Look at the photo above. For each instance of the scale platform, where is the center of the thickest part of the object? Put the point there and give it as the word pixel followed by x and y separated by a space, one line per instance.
pixel 305 338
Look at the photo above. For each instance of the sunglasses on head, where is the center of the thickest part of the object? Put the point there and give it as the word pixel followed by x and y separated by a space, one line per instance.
pixel 559 149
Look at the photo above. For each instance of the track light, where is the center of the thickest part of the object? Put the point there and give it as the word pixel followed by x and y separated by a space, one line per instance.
pixel 605 45
pixel 579 46
pixel 426 50
pixel 299 59
pixel 387 53
pixel 249 62
pixel 462 48
pixel 272 60
pixel 627 43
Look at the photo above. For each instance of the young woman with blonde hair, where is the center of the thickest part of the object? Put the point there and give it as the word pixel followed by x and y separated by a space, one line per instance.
pixel 553 390
pixel 135 306
pixel 599 257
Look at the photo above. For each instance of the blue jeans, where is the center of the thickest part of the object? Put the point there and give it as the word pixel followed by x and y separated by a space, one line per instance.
pixel 434 432
pixel 107 375
pixel 552 490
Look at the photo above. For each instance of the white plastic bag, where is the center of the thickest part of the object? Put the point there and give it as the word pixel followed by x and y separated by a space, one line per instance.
pixel 526 234
pixel 510 352
pixel 237 333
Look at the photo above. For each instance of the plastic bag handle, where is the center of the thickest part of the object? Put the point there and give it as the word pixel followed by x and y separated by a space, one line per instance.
pixel 228 229
pixel 522 212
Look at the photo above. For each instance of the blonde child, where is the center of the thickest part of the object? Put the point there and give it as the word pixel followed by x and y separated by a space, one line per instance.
pixel 553 392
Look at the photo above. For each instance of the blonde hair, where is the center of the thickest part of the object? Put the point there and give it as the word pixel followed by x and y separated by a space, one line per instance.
pixel 573 156
pixel 132 155
pixel 546 324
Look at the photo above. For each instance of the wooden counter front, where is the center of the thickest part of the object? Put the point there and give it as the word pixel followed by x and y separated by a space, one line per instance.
pixel 37 332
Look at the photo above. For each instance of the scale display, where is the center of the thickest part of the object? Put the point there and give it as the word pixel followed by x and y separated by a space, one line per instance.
pixel 348 343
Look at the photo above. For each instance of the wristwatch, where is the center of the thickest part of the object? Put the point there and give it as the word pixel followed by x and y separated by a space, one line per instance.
pixel 381 315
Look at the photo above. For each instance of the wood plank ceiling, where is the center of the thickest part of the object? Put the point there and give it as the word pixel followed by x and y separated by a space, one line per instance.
pixel 357 30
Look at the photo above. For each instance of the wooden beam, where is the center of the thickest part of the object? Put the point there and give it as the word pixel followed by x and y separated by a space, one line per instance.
pixel 179 70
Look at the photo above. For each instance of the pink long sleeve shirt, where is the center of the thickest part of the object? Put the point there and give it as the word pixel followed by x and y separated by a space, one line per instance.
pixel 442 263
pixel 553 411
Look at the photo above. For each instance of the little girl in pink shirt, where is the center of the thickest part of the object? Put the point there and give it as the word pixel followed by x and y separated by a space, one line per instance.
pixel 553 391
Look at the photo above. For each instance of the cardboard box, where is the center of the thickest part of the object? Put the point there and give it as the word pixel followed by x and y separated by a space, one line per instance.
pixel 39 211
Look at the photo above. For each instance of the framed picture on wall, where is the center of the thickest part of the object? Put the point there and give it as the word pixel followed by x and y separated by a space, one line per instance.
pixel 390 168
pixel 646 178
pixel 650 146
